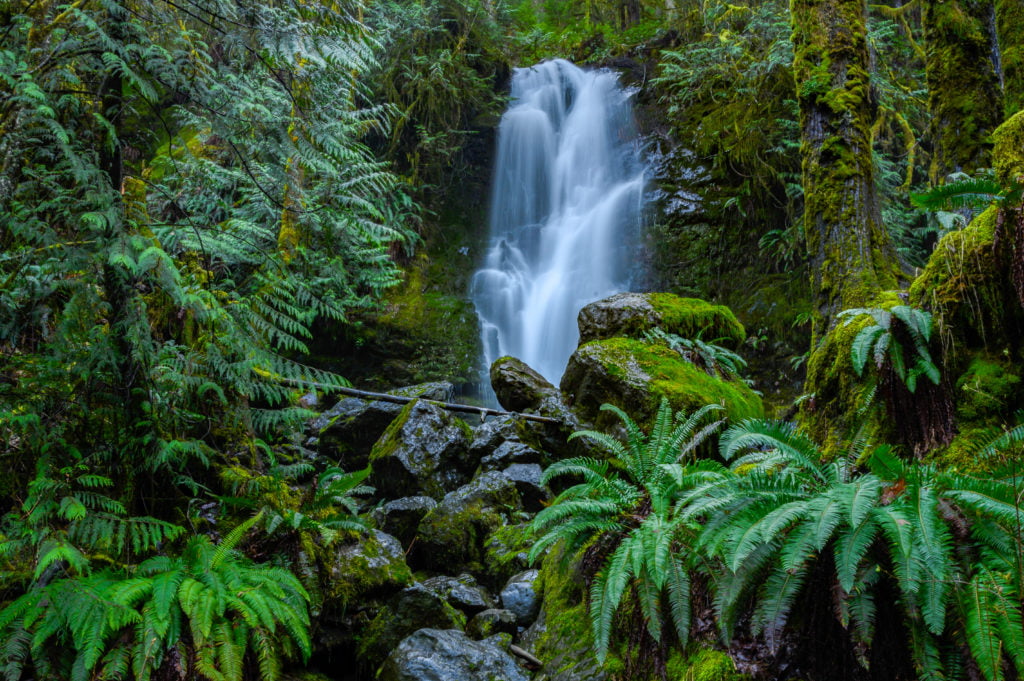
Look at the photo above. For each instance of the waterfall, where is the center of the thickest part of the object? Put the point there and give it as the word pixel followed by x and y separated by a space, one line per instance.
pixel 566 212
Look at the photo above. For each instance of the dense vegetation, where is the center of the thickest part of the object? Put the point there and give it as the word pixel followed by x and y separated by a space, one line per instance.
pixel 193 195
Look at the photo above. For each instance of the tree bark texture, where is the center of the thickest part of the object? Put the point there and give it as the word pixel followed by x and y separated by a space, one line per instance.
pixel 964 99
pixel 851 255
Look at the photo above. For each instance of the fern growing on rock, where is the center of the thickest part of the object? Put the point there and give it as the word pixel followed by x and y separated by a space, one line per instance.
pixel 624 511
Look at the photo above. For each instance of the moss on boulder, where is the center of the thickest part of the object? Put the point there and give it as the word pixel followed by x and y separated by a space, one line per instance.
pixel 630 314
pixel 635 375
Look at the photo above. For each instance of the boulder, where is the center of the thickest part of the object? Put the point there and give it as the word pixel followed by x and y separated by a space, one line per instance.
pixel 438 655
pixel 402 516
pixel 490 622
pixel 521 598
pixel 423 451
pixel 462 593
pixel 635 375
pixel 454 534
pixel 631 314
pixel 413 608
pixel 348 430
pixel 526 477
pixel 517 386
pixel 492 434
pixel 371 566
pixel 510 452
pixel 507 552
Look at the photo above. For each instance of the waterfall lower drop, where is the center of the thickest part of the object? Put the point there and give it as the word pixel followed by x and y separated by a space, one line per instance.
pixel 566 212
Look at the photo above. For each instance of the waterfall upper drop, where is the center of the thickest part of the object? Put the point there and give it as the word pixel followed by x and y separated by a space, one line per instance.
pixel 566 212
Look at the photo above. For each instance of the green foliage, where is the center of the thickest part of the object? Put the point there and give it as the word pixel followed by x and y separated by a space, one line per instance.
pixel 208 612
pixel 624 506
pixel 714 359
pixel 885 339
pixel 951 543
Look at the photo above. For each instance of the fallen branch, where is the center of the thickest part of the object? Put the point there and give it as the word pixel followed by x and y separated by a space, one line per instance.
pixel 399 399
pixel 530 659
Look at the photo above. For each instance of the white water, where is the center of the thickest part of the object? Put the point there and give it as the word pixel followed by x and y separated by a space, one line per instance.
pixel 565 212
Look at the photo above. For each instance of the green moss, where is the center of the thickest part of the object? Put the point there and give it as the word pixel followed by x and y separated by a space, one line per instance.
pixel 963 88
pixel 705 664
pixel 365 573
pixel 1009 19
pixel 392 436
pixel 1008 156
pixel 695 318
pixel 686 386
pixel 962 285
pixel 988 391
pixel 505 550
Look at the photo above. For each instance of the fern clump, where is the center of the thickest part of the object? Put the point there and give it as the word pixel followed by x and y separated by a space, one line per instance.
pixel 208 612
pixel 624 510
pixel 884 342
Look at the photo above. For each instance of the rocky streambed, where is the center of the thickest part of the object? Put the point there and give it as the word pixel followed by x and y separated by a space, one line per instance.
pixel 440 587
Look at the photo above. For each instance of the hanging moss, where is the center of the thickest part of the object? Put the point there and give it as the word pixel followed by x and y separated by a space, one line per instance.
pixel 963 88
pixel 1010 31
pixel 850 251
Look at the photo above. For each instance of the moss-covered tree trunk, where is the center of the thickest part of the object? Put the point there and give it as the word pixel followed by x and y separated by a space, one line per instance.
pixel 1010 31
pixel 851 256
pixel 963 89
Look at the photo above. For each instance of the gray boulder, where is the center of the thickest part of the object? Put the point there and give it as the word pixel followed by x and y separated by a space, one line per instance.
pixel 402 516
pixel 521 598
pixel 518 387
pixel 631 314
pixel 491 622
pixel 437 655
pixel 526 477
pixel 510 452
pixel 490 435
pixel 423 451
pixel 413 608
pixel 461 592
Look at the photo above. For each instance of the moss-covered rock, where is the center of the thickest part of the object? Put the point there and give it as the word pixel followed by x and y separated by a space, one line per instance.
pixel 630 314
pixel 453 536
pixel 424 450
pixel 412 609
pixel 635 375
pixel 1008 154
pixel 372 565
pixel 518 386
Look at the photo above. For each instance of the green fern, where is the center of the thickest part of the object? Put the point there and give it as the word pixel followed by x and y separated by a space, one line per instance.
pixel 629 501
pixel 878 342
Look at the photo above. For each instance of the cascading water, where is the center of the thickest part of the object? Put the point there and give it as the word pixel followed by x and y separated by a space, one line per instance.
pixel 566 211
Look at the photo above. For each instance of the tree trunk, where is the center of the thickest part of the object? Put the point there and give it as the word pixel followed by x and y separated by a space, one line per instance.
pixel 963 89
pixel 851 256
pixel 1010 31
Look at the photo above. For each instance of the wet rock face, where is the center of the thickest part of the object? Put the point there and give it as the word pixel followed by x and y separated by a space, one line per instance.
pixel 423 451
pixel 526 477
pixel 402 516
pixel 446 655
pixel 348 430
pixel 518 387
pixel 462 593
pixel 520 597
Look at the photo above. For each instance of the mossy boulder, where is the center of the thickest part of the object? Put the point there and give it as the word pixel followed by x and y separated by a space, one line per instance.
pixel 402 517
pixel 462 593
pixel 518 386
pixel 414 608
pixel 630 314
pixel 423 451
pixel 453 536
pixel 371 566
pixel 635 375
pixel 1008 151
